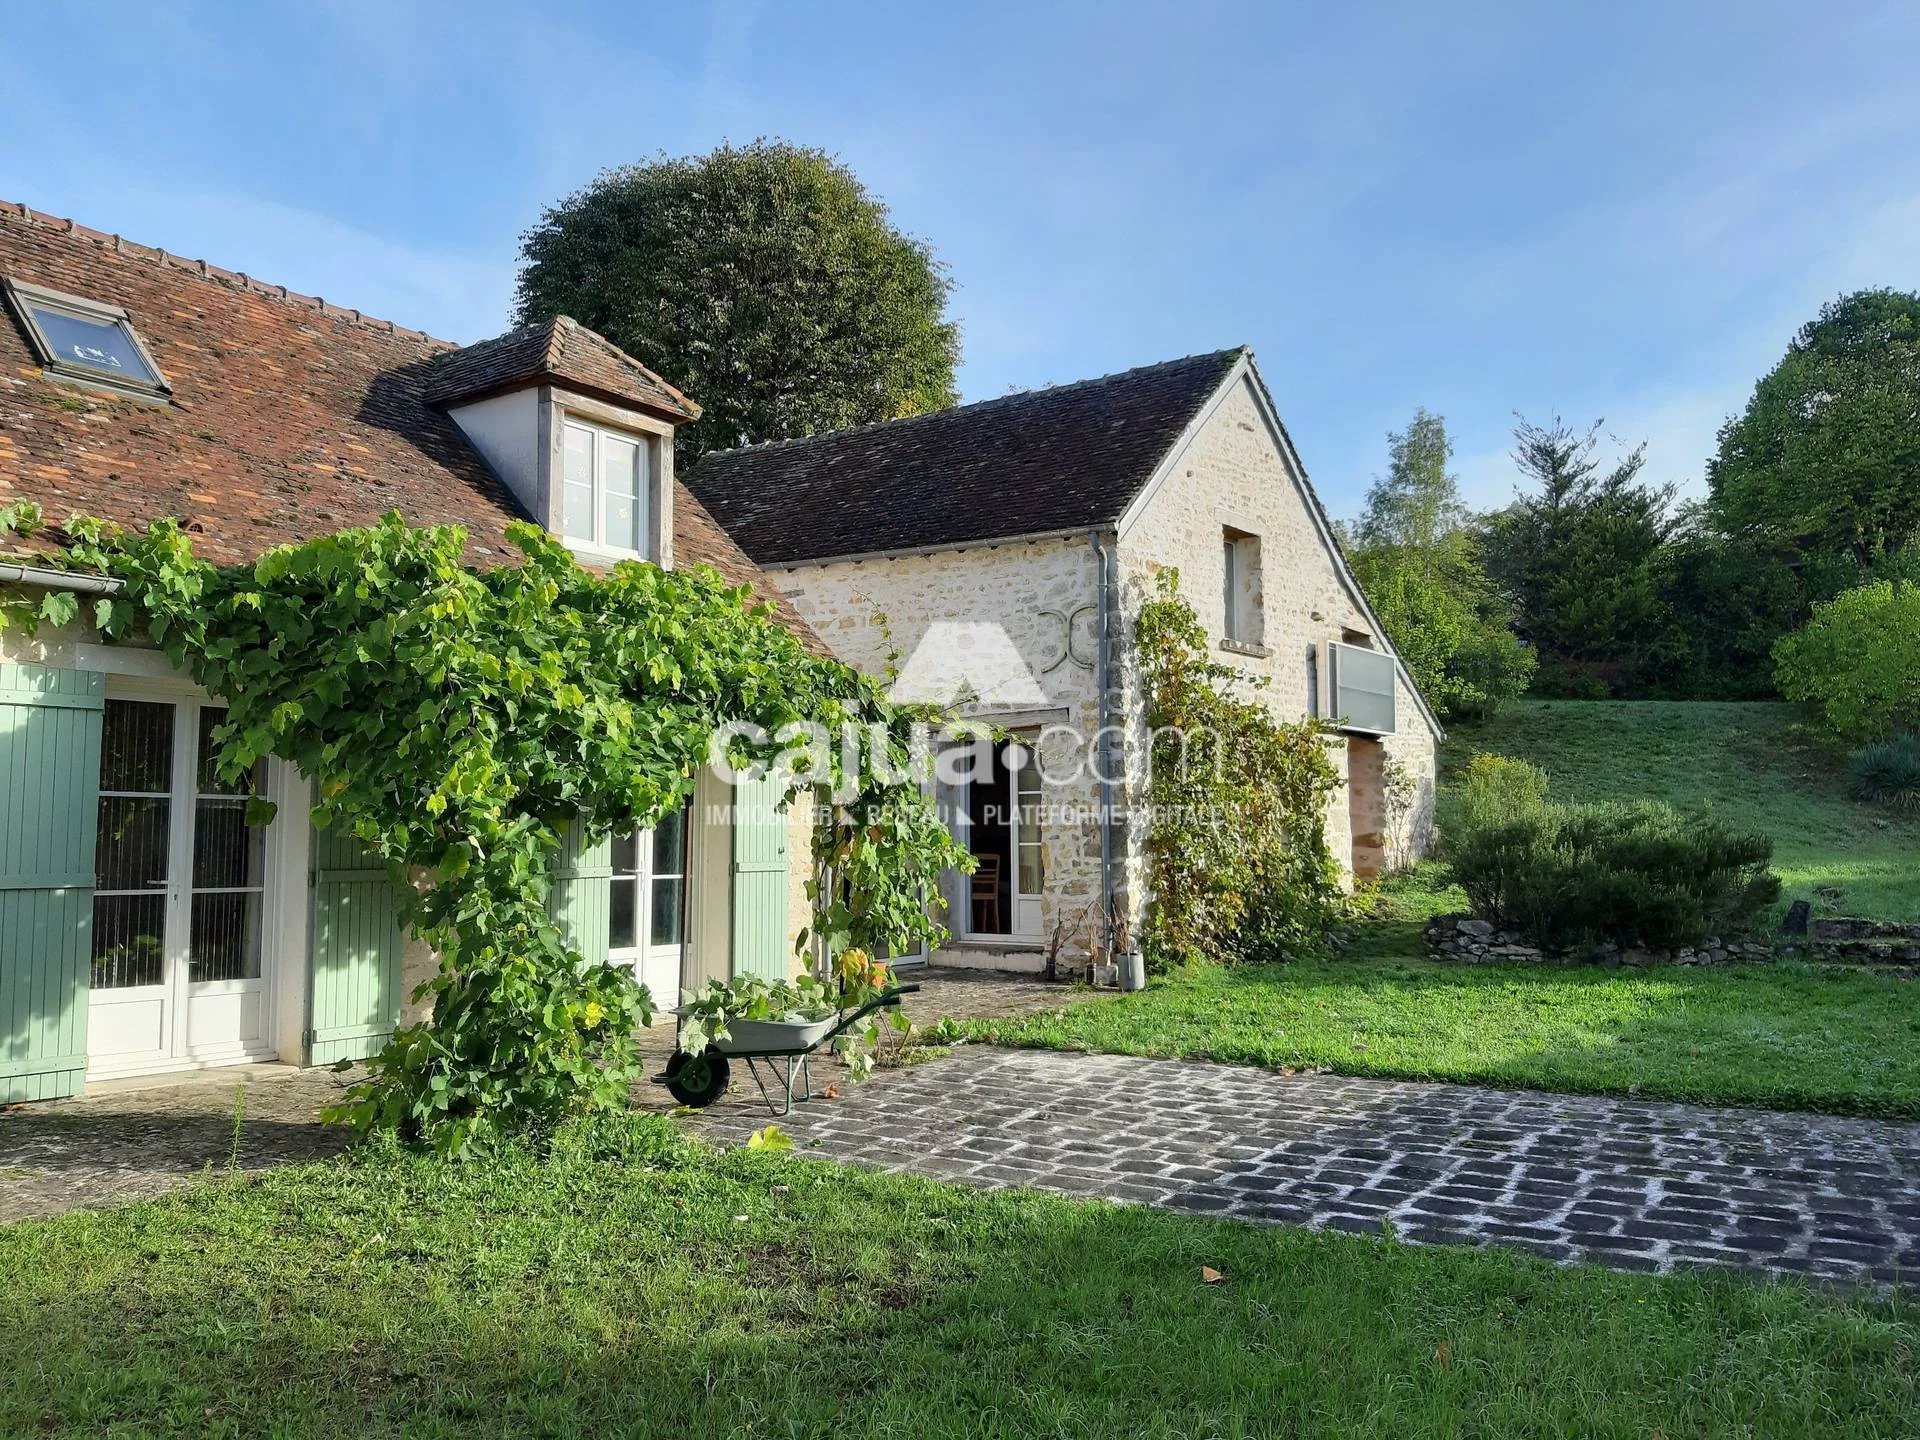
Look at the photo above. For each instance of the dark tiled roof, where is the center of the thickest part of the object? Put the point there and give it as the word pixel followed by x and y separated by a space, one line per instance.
pixel 561 350
pixel 290 418
pixel 1024 464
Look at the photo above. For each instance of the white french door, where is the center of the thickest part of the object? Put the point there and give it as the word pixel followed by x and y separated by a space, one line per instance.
pixel 997 815
pixel 179 892
pixel 647 909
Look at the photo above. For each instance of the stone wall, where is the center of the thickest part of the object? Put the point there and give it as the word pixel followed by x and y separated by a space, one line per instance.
pixel 1468 941
pixel 909 613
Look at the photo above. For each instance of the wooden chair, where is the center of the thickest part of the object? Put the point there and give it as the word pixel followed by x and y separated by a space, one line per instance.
pixel 985 896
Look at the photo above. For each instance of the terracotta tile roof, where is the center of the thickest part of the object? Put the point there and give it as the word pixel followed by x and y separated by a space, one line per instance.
pixel 699 540
pixel 1025 464
pixel 561 350
pixel 290 417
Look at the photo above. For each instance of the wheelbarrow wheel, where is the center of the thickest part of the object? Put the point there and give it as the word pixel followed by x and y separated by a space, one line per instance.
pixel 697 1080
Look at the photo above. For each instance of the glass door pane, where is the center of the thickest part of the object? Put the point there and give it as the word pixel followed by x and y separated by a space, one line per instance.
pixel 623 925
pixel 668 920
pixel 132 850
pixel 1033 870
pixel 228 869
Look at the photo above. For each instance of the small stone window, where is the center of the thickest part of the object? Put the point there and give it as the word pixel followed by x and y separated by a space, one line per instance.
pixel 1240 571
pixel 86 340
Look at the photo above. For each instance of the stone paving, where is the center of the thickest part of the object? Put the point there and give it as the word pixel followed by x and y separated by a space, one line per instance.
pixel 127 1144
pixel 124 1143
pixel 1631 1184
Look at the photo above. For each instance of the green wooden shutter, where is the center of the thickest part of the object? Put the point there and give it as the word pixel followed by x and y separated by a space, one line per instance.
pixel 580 897
pixel 49 816
pixel 359 946
pixel 759 879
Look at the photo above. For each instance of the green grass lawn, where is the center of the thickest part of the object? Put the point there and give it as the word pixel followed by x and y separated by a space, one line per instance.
pixel 1747 763
pixel 1784 1037
pixel 641 1287
pixel 1787 1035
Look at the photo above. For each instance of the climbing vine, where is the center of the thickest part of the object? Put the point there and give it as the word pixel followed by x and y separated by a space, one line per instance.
pixel 455 721
pixel 1236 843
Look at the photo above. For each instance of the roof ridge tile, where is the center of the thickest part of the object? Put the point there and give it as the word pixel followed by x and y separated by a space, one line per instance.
pixel 950 411
pixel 18 211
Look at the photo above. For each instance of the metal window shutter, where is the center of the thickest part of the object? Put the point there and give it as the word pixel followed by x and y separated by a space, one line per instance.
pixel 49 817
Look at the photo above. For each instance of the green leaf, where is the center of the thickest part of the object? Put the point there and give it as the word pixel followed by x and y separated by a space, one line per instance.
pixel 57 607
pixel 770 1137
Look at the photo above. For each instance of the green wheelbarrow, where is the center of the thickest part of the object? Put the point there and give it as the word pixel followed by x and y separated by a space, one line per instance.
pixel 699 1080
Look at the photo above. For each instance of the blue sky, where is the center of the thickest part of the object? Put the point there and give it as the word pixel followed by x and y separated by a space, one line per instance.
pixel 1616 210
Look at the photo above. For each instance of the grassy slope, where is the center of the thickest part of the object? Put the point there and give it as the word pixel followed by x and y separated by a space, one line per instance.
pixel 1745 763
pixel 649 1292
pixel 1784 1035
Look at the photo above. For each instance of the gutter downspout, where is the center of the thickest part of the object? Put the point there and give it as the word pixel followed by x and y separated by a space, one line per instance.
pixel 1103 562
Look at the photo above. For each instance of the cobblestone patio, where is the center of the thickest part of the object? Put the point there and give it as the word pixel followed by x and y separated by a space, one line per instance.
pixel 1630 1184
pixel 120 1144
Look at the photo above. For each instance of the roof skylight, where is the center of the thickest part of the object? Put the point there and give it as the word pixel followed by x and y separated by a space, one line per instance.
pixel 86 340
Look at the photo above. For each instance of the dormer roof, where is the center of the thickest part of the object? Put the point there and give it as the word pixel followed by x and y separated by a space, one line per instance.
pixel 560 351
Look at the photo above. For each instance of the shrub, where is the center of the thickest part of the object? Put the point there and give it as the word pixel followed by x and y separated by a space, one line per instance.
pixel 1858 660
pixel 1495 788
pixel 1888 773
pixel 1639 873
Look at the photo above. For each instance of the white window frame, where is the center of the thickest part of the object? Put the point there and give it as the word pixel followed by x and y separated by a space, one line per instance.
pixel 597 543
pixel 25 298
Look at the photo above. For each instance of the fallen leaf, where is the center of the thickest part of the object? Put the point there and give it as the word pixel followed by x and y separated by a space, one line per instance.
pixel 1211 1276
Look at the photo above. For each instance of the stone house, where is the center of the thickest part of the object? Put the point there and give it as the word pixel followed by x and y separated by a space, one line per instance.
pixel 994 556
pixel 144 927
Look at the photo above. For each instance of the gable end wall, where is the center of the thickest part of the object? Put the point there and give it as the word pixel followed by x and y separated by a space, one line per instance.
pixel 1233 473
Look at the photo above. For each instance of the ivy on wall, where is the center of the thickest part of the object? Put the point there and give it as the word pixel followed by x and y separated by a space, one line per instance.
pixel 456 721
pixel 1237 852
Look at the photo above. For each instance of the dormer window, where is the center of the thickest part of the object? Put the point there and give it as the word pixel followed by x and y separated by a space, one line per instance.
pixel 86 340
pixel 608 476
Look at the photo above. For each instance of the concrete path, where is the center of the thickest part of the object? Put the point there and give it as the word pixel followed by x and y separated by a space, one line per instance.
pixel 1632 1184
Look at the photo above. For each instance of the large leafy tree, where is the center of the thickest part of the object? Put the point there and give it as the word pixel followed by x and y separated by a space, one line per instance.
pixel 1826 457
pixel 1422 572
pixel 764 280
pixel 1580 555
